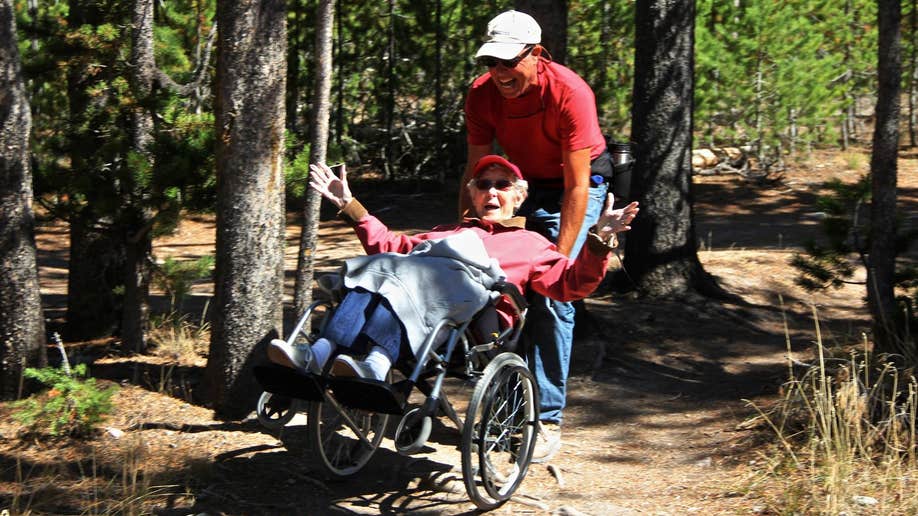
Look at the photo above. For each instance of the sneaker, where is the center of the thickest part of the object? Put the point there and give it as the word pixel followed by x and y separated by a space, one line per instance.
pixel 548 441
pixel 297 357
pixel 347 366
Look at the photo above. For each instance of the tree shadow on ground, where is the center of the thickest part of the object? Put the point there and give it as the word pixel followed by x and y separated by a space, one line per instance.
pixel 387 485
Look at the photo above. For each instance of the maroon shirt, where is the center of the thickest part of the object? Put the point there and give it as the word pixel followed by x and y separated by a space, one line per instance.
pixel 530 260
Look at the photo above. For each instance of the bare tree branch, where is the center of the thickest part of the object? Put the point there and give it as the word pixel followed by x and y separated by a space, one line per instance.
pixel 163 80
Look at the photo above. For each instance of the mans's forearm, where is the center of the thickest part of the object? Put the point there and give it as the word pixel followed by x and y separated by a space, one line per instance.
pixel 573 211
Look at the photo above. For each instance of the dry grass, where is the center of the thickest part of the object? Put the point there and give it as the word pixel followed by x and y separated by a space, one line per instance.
pixel 176 337
pixel 45 491
pixel 846 437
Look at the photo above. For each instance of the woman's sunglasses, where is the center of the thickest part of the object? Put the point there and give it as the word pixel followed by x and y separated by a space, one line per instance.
pixel 491 61
pixel 487 184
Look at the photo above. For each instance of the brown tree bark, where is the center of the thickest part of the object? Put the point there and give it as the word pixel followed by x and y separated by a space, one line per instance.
pixel 661 249
pixel 22 323
pixel 135 316
pixel 251 73
pixel 883 170
pixel 295 49
pixel 552 17
pixel 321 113
pixel 389 61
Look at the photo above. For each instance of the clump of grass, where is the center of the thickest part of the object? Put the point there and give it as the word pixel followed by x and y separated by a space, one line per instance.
pixel 846 437
pixel 853 160
pixel 176 336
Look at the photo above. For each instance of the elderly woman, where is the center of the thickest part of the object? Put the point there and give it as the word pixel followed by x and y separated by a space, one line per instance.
pixel 378 317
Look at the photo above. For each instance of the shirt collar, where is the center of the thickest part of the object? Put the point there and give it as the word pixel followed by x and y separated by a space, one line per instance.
pixel 511 223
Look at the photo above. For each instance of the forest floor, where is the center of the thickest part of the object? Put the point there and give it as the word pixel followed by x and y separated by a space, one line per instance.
pixel 658 395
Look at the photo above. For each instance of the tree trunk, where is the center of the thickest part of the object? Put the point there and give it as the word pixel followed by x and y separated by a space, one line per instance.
pixel 22 323
pixel 552 17
pixel 251 73
pixel 318 149
pixel 294 48
pixel 440 155
pixel 95 272
pixel 848 114
pixel 135 317
pixel 661 252
pixel 97 262
pixel 339 76
pixel 882 252
pixel 389 107
pixel 913 74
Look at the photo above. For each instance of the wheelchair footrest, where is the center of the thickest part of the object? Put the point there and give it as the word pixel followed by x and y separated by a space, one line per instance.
pixel 369 395
pixel 289 382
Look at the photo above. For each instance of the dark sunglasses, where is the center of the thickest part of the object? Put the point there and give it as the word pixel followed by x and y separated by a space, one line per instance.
pixel 491 61
pixel 487 184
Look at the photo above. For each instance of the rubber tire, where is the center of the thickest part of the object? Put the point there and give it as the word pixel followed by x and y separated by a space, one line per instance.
pixel 274 418
pixel 478 483
pixel 323 417
pixel 412 432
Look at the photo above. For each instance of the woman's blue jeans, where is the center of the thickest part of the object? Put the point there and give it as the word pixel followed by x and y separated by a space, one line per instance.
pixel 362 319
pixel 550 324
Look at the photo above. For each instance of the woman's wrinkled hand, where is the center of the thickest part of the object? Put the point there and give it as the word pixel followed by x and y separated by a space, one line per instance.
pixel 334 188
pixel 615 221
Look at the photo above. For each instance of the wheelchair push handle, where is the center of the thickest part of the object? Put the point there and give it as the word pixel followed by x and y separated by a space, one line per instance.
pixel 509 289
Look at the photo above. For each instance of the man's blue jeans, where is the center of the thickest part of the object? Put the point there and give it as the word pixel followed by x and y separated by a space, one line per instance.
pixel 550 324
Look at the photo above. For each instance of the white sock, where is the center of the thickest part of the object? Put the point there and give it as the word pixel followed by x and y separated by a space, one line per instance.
pixel 321 350
pixel 379 362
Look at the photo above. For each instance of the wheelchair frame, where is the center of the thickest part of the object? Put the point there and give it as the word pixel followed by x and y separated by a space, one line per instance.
pixel 347 417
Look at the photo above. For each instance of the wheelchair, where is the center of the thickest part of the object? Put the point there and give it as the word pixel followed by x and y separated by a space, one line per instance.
pixel 347 417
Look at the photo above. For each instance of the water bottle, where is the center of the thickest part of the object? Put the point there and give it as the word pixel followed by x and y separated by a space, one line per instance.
pixel 622 163
pixel 621 153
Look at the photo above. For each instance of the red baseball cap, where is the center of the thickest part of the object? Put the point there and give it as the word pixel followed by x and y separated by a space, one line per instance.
pixel 494 159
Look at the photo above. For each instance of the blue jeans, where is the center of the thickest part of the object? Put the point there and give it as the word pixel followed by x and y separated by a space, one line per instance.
pixel 550 324
pixel 363 319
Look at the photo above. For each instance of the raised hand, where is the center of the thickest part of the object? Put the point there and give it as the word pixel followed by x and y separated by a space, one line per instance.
pixel 615 221
pixel 324 181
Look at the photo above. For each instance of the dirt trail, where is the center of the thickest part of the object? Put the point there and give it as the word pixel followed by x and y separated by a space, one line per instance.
pixel 657 388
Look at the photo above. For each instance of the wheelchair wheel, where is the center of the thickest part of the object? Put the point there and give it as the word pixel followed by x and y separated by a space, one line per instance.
pixel 274 411
pixel 499 434
pixel 344 438
pixel 412 432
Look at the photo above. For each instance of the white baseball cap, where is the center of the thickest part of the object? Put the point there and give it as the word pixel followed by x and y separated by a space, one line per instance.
pixel 508 34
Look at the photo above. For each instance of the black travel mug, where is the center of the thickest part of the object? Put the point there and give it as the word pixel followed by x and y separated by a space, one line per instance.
pixel 622 164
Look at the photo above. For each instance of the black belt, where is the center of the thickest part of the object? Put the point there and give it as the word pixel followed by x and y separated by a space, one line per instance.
pixel 559 183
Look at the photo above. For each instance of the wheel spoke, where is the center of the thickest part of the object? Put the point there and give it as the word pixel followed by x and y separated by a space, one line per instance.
pixel 345 438
pixel 498 435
